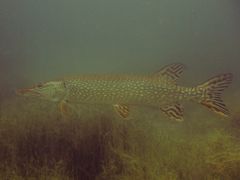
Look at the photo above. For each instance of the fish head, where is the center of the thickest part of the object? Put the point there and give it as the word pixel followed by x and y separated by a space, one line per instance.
pixel 53 90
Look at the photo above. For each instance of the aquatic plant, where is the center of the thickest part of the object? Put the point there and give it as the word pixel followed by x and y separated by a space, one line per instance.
pixel 224 155
pixel 37 142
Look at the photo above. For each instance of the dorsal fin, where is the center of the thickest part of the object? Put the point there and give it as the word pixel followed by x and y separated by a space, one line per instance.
pixel 171 71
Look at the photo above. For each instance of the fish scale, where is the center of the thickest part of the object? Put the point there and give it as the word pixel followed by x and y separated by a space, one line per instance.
pixel 134 90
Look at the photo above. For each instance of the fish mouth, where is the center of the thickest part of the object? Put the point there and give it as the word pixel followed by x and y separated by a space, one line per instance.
pixel 27 92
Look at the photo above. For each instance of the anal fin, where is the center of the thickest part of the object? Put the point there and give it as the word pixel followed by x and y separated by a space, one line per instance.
pixel 122 110
pixel 174 111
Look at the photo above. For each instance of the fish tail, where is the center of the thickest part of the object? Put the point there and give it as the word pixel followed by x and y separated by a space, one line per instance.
pixel 212 92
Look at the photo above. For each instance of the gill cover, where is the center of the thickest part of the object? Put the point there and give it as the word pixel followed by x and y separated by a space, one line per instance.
pixel 53 90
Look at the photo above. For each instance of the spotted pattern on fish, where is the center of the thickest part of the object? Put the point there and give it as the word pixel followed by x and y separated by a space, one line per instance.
pixel 124 90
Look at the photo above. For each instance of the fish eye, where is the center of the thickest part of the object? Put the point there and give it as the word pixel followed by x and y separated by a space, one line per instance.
pixel 39 85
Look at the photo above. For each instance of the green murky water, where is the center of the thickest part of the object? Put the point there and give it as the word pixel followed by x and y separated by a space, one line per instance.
pixel 44 40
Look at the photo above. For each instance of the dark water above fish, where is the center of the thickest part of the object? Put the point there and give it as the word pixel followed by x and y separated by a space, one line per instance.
pixel 45 40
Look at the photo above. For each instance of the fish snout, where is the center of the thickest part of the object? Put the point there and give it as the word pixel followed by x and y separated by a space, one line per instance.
pixel 27 92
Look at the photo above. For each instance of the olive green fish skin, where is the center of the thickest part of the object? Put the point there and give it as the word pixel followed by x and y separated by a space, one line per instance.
pixel 127 90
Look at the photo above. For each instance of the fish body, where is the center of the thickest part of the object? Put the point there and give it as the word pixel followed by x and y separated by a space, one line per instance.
pixel 131 90
pixel 156 90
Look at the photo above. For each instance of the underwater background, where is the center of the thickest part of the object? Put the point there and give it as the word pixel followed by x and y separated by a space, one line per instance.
pixel 45 40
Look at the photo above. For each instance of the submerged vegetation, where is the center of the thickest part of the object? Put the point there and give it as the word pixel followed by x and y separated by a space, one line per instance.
pixel 37 142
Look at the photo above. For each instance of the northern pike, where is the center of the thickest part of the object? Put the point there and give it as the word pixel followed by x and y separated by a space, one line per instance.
pixel 122 91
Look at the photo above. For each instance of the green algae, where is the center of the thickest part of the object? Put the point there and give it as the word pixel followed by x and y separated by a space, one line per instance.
pixel 36 142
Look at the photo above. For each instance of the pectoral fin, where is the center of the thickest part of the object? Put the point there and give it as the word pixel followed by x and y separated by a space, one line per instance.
pixel 64 108
pixel 174 111
pixel 122 110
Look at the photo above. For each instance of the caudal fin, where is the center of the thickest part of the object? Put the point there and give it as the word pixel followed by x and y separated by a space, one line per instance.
pixel 212 90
